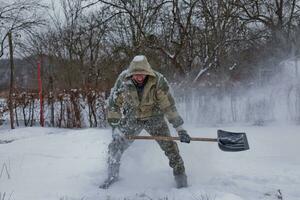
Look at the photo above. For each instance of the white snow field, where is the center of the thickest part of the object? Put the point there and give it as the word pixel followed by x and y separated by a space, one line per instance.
pixel 64 164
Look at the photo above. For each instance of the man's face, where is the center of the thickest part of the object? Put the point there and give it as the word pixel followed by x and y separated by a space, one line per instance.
pixel 139 78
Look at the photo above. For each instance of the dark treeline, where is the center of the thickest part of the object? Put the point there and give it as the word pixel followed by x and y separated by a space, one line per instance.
pixel 194 43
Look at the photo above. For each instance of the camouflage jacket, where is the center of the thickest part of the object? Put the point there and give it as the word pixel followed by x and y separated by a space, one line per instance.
pixel 156 99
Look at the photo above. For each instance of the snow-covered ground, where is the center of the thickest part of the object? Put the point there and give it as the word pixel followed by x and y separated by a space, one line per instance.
pixel 64 164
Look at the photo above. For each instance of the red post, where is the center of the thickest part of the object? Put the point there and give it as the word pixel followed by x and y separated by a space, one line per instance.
pixel 40 94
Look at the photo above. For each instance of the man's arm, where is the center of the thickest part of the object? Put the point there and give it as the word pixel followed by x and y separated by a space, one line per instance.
pixel 167 104
pixel 114 103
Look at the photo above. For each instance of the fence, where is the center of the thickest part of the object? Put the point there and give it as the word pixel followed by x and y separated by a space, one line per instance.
pixel 256 106
pixel 79 108
pixel 66 109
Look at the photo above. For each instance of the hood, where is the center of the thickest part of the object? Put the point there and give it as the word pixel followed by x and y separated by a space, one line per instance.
pixel 140 65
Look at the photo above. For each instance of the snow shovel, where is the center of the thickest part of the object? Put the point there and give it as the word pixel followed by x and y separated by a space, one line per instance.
pixel 227 141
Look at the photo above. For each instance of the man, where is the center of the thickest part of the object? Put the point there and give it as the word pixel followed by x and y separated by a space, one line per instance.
pixel 140 100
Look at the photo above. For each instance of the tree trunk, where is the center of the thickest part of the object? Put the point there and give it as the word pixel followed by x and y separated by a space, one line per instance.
pixel 297 92
pixel 32 112
pixel 296 68
pixel 16 114
pixel 51 97
pixel 12 82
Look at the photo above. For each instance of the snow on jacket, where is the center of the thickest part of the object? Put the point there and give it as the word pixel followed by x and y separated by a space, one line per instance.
pixel 124 102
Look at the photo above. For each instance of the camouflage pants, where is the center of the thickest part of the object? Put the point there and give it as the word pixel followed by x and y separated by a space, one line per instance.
pixel 156 127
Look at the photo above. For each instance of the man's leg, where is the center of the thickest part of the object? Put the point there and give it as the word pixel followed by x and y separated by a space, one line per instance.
pixel 159 127
pixel 115 150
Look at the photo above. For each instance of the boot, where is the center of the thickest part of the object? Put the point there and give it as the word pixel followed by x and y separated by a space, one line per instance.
pixel 181 180
pixel 110 180
pixel 113 176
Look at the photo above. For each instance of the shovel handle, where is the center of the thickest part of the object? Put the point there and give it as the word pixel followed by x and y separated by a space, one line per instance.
pixel 168 138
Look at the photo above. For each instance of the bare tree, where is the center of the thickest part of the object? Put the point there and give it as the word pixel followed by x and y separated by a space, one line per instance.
pixel 16 17
pixel 278 16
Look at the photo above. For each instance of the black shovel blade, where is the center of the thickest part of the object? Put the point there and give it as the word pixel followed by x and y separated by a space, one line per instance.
pixel 232 141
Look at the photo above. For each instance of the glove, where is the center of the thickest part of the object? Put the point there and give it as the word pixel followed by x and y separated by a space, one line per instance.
pixel 183 136
pixel 117 135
